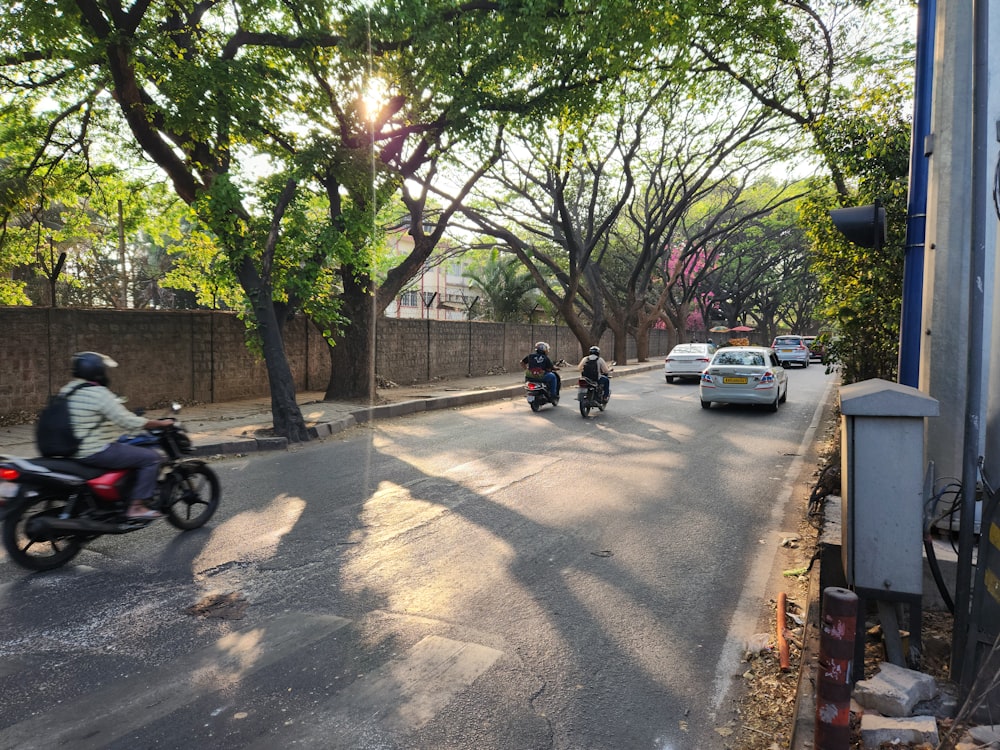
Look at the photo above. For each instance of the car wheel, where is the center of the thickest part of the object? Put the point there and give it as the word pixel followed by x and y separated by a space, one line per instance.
pixel 773 406
pixel 670 378
pixel 706 404
pixel 806 363
pixel 784 395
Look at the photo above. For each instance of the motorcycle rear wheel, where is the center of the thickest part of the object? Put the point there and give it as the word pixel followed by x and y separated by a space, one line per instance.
pixel 190 497
pixel 30 549
pixel 535 406
pixel 585 408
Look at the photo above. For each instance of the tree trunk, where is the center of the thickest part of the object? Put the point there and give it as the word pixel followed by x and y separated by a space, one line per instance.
pixel 352 355
pixel 642 341
pixel 285 412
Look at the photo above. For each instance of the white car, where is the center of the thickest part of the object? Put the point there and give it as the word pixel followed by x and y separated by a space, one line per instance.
pixel 687 361
pixel 744 375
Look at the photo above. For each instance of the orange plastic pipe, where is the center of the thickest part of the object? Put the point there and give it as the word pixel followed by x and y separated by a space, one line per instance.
pixel 783 660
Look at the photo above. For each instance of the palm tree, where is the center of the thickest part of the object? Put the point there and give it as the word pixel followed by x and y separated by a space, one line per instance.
pixel 507 291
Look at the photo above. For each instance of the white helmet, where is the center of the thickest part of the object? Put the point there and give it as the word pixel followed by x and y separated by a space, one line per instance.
pixel 595 350
pixel 541 346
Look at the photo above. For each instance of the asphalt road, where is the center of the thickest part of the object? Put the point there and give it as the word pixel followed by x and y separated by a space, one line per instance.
pixel 483 577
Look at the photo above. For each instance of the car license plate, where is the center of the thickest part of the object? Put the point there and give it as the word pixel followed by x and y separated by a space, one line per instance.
pixel 786 351
pixel 734 381
pixel 8 490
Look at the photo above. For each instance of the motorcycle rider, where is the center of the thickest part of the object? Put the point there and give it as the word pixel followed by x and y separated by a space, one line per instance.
pixel 98 418
pixel 538 366
pixel 593 367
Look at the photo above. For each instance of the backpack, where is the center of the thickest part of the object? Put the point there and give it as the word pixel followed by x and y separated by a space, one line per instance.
pixel 54 431
pixel 590 369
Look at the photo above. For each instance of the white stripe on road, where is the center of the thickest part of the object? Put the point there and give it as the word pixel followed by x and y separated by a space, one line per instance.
pixel 744 622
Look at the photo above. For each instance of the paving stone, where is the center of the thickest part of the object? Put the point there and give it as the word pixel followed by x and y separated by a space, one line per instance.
pixel 876 729
pixel 986 734
pixel 894 690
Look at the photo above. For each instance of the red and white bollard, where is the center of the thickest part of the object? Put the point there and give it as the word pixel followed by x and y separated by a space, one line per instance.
pixel 836 660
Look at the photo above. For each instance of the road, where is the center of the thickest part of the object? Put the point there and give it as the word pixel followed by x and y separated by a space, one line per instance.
pixel 483 577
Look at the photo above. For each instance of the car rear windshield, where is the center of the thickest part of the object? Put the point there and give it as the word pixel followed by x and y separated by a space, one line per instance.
pixel 747 359
pixel 788 340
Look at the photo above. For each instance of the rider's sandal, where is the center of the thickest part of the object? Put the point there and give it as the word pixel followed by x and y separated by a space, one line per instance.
pixel 142 514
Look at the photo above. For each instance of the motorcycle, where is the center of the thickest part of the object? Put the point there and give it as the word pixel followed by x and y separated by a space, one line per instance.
pixel 51 507
pixel 590 395
pixel 537 390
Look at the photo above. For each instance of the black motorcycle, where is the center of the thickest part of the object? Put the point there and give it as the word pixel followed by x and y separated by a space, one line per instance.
pixel 51 507
pixel 591 394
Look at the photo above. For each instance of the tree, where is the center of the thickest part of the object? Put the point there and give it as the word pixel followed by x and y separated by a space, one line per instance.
pixel 507 291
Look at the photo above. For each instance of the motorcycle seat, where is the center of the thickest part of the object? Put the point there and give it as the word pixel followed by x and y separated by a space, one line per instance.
pixel 69 466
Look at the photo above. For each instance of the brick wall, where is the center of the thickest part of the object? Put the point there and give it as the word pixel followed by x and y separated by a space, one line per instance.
pixel 201 356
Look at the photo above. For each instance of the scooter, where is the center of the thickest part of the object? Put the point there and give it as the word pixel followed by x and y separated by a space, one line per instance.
pixel 51 507
pixel 537 390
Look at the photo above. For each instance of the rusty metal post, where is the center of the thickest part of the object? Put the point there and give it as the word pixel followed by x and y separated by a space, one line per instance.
pixel 835 676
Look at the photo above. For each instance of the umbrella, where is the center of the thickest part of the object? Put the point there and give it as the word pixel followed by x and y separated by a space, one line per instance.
pixel 741 329
pixel 718 329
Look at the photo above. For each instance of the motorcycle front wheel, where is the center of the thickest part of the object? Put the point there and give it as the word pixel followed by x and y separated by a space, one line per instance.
pixel 190 496
pixel 32 547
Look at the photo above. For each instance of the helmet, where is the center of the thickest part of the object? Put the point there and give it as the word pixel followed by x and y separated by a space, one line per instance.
pixel 595 350
pixel 541 346
pixel 92 366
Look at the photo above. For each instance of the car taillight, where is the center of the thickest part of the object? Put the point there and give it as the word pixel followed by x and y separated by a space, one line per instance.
pixel 767 378
pixel 9 474
pixel 706 378
pixel 703 359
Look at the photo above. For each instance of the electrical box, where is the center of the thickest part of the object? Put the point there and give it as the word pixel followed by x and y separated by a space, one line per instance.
pixel 882 478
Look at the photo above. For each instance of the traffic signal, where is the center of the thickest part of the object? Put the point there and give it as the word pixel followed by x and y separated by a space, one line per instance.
pixel 862 225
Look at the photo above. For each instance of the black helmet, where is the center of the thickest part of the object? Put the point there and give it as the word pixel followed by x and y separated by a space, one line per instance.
pixel 92 366
pixel 595 350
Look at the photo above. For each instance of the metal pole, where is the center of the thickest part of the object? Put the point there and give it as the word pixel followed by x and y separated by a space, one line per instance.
pixel 974 371
pixel 835 678
pixel 916 210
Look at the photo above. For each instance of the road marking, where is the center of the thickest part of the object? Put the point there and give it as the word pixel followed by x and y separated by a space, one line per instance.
pixel 744 622
pixel 411 691
pixel 400 696
pixel 139 700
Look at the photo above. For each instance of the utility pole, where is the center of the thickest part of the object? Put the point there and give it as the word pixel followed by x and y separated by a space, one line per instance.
pixel 121 253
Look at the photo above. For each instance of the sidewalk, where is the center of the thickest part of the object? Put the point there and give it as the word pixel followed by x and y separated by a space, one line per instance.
pixel 238 427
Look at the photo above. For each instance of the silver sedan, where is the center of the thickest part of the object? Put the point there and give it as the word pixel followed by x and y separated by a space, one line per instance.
pixel 744 375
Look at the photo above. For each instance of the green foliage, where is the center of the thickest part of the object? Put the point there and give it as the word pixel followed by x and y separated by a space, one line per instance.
pixel 508 293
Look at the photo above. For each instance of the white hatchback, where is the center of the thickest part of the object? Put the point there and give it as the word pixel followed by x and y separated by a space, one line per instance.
pixel 744 375
pixel 687 361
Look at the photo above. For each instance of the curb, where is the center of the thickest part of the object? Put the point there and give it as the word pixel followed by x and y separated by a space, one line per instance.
pixel 382 411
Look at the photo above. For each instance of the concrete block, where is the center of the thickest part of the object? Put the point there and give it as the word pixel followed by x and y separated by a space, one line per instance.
pixel 876 730
pixel 272 443
pixel 227 447
pixel 986 735
pixel 894 691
